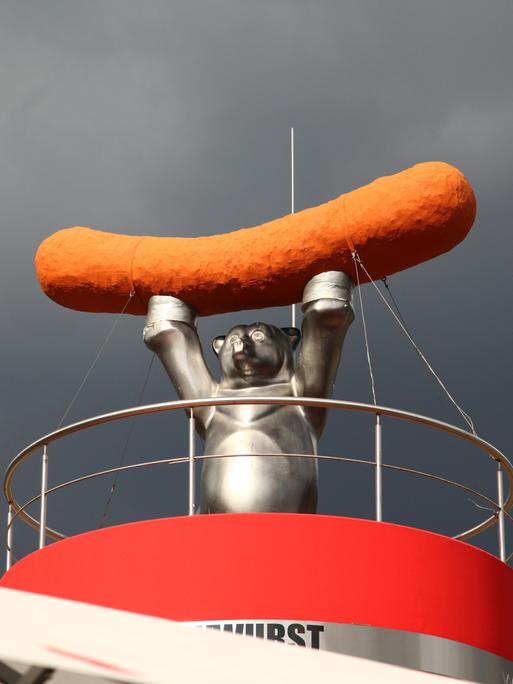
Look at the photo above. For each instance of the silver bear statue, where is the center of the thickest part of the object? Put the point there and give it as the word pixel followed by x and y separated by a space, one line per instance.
pixel 258 360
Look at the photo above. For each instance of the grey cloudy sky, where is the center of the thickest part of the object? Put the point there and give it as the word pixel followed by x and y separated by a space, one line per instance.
pixel 173 119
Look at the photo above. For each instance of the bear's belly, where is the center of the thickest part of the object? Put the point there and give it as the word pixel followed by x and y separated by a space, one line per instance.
pixel 252 484
pixel 244 482
pixel 244 430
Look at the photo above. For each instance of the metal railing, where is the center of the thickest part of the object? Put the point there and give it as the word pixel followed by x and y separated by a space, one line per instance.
pixel 17 511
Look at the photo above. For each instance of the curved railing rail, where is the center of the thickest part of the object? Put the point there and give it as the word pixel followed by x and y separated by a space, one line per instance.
pixel 500 507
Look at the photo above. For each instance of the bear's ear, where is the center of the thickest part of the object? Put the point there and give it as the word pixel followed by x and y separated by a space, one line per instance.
pixel 294 335
pixel 217 343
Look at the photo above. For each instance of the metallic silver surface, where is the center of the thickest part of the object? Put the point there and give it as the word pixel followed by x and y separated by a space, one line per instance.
pixel 407 649
pixel 379 462
pixel 180 460
pixel 328 285
pixel 57 535
pixel 164 308
pixel 44 497
pixel 20 511
pixel 500 502
pixel 192 452
pixel 9 537
pixel 256 360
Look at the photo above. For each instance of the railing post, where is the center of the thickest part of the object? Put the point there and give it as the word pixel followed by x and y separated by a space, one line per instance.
pixel 44 487
pixel 500 514
pixel 379 463
pixel 192 450
pixel 10 537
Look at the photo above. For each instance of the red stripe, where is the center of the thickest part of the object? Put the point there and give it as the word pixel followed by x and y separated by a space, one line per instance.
pixel 280 566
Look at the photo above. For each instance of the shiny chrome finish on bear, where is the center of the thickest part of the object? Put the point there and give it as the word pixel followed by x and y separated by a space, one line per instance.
pixel 258 360
pixel 501 507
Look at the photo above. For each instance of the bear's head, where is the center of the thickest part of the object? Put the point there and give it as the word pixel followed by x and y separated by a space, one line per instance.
pixel 256 354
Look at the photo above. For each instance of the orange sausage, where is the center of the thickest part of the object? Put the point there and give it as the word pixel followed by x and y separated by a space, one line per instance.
pixel 394 222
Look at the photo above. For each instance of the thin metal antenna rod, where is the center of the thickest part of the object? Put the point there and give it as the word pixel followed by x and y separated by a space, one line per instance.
pixel 292 207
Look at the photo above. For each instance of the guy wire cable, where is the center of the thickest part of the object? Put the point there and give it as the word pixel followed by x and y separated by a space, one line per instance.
pixel 95 360
pixel 125 445
pixel 399 319
pixel 358 262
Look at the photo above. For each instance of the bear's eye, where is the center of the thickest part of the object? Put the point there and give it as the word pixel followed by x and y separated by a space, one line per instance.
pixel 233 339
pixel 258 336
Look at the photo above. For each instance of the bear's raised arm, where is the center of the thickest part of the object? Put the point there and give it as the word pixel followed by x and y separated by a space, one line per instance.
pixel 327 315
pixel 170 332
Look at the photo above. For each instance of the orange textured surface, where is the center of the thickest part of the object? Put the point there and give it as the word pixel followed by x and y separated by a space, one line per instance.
pixel 395 222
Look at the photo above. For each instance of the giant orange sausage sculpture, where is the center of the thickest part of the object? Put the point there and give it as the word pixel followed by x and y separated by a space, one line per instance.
pixel 393 223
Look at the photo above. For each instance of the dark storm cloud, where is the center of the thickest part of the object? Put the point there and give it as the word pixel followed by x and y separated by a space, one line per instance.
pixel 173 118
